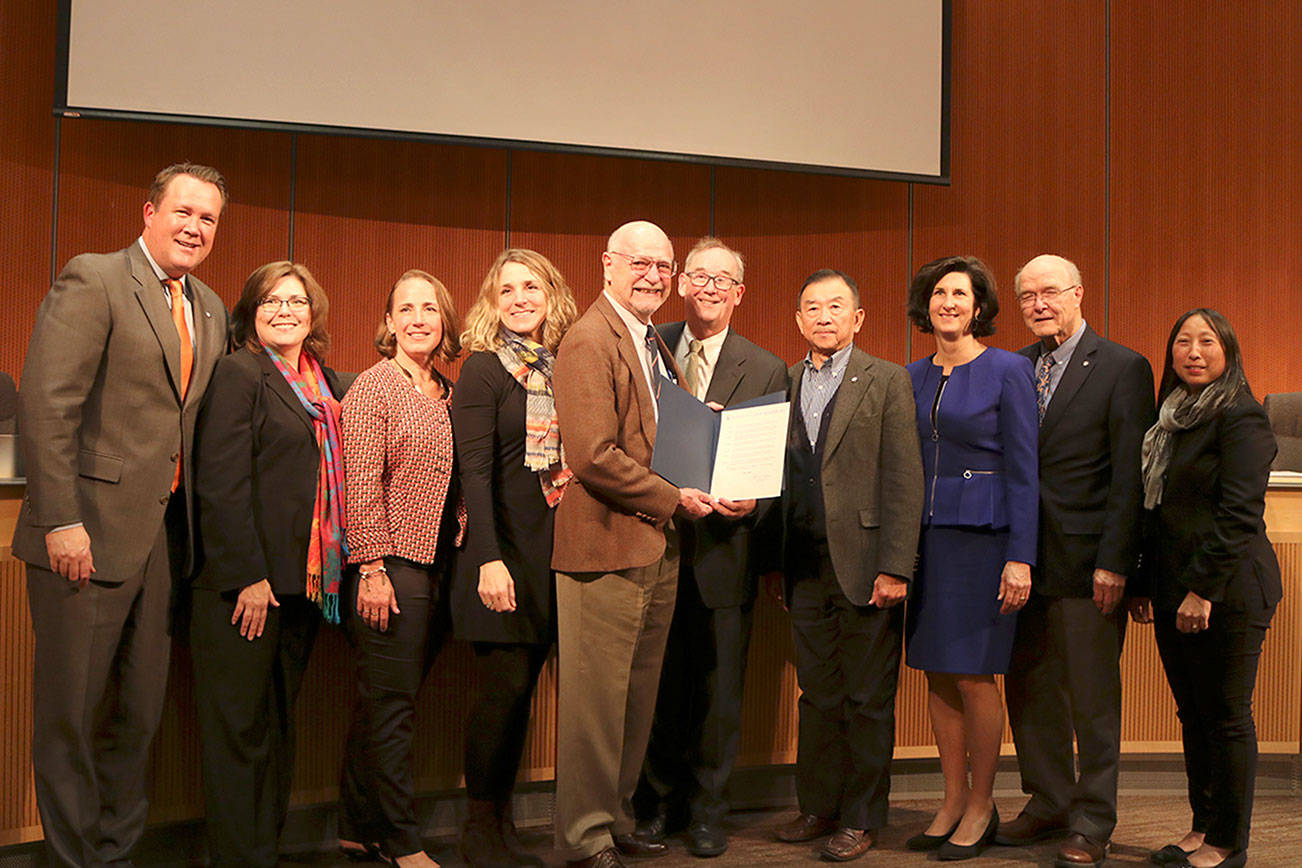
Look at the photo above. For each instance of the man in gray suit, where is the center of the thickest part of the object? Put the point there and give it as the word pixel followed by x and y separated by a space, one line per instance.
pixel 852 510
pixel 116 368
pixel 697 725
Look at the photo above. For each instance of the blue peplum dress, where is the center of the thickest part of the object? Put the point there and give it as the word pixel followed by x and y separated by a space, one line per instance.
pixel 979 430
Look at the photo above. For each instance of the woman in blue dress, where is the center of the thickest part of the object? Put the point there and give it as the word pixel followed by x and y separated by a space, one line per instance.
pixel 978 424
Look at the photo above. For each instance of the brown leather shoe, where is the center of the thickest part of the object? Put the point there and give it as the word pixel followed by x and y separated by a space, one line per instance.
pixel 639 847
pixel 1027 829
pixel 608 858
pixel 846 844
pixel 805 827
pixel 1080 850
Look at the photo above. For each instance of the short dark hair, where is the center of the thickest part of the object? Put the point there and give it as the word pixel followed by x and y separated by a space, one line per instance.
pixel 244 329
pixel 985 298
pixel 1233 373
pixel 828 274
pixel 207 174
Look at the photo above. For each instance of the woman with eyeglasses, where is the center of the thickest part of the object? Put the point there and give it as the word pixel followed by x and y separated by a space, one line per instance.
pixel 513 474
pixel 271 516
pixel 402 528
pixel 1210 580
pixel 977 420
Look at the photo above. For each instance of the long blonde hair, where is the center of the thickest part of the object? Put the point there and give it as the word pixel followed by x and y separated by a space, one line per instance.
pixel 483 325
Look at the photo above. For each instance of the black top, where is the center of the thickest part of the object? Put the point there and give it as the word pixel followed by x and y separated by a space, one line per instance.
pixel 508 516
pixel 256 464
pixel 1208 535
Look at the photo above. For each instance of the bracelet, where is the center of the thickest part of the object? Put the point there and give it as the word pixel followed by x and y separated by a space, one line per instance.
pixel 366 574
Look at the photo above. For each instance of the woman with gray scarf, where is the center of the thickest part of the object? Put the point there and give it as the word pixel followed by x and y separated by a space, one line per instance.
pixel 1210 580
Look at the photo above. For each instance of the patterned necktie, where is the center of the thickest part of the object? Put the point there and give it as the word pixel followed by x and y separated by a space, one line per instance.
pixel 1042 382
pixel 695 375
pixel 187 351
pixel 653 350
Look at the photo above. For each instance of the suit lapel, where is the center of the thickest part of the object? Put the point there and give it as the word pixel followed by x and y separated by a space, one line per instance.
pixel 276 382
pixel 1078 369
pixel 210 342
pixel 728 370
pixel 849 395
pixel 149 292
pixel 628 352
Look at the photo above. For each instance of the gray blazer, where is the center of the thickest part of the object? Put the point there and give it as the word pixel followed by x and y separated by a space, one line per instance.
pixel 872 474
pixel 100 408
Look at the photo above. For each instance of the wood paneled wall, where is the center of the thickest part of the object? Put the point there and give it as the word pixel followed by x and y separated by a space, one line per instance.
pixel 1160 151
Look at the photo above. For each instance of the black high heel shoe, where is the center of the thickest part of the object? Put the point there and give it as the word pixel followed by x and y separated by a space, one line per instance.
pixel 1171 854
pixel 950 852
pixel 1233 859
pixel 924 842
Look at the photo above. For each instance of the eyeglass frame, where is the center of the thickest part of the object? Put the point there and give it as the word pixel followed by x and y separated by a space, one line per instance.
pixel 296 304
pixel 1028 300
pixel 707 278
pixel 658 263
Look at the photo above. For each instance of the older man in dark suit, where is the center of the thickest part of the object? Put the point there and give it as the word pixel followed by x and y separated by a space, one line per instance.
pixel 615 551
pixel 852 510
pixel 1064 681
pixel 116 368
pixel 697 725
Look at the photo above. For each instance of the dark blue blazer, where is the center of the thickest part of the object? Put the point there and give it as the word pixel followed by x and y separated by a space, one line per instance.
pixel 979 461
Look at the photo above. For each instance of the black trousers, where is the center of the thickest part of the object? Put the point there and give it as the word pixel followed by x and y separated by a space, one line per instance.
pixel 848 665
pixel 1212 674
pixel 697 726
pixel 499 720
pixel 376 788
pixel 245 693
pixel 1064 688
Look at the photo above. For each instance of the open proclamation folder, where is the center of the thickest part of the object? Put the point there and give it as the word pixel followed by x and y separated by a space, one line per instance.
pixel 734 454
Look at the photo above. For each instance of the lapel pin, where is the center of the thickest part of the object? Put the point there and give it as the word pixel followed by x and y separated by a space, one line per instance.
pixel 854 379
pixel 1085 364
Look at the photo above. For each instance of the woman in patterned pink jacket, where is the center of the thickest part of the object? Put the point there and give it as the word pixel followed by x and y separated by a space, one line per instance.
pixel 402 527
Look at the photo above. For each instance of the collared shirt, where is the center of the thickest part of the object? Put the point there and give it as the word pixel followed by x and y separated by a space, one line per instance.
pixel 167 293
pixel 817 387
pixel 1062 354
pixel 710 347
pixel 637 331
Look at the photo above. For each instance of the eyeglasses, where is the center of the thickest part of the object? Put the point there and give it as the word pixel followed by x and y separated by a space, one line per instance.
pixel 641 265
pixel 722 282
pixel 1048 296
pixel 273 305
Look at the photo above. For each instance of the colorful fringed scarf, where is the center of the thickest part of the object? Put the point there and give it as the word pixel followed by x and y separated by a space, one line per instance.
pixel 530 363
pixel 326 549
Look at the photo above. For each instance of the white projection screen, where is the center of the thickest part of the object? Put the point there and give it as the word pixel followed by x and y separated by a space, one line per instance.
pixel 856 87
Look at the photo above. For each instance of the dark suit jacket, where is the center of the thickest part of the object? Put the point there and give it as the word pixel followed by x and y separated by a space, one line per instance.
pixel 1208 535
pixel 612 513
pixel 1091 495
pixel 721 548
pixel 872 474
pixel 100 408
pixel 256 465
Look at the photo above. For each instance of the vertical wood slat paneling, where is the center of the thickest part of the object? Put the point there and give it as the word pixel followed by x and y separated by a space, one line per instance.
pixel 1027 150
pixel 1206 183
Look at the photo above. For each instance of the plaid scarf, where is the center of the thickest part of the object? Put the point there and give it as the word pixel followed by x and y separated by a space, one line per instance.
pixel 530 363
pixel 326 549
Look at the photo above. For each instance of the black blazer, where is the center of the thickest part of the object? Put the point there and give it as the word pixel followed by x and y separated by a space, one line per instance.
pixel 726 557
pixel 1091 491
pixel 1207 535
pixel 256 464
pixel 508 517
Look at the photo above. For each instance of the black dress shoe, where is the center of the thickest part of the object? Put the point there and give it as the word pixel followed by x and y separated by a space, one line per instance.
pixel 640 848
pixel 923 842
pixel 706 840
pixel 1027 829
pixel 950 852
pixel 651 829
pixel 1171 854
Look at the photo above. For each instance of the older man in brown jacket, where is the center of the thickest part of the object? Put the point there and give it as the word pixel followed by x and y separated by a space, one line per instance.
pixel 615 550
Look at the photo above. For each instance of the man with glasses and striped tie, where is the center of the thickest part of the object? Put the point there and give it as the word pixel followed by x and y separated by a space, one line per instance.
pixel 1064 680
pixel 615 549
pixel 116 368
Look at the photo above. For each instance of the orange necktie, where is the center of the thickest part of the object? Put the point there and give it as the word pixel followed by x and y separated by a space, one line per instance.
pixel 187 351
